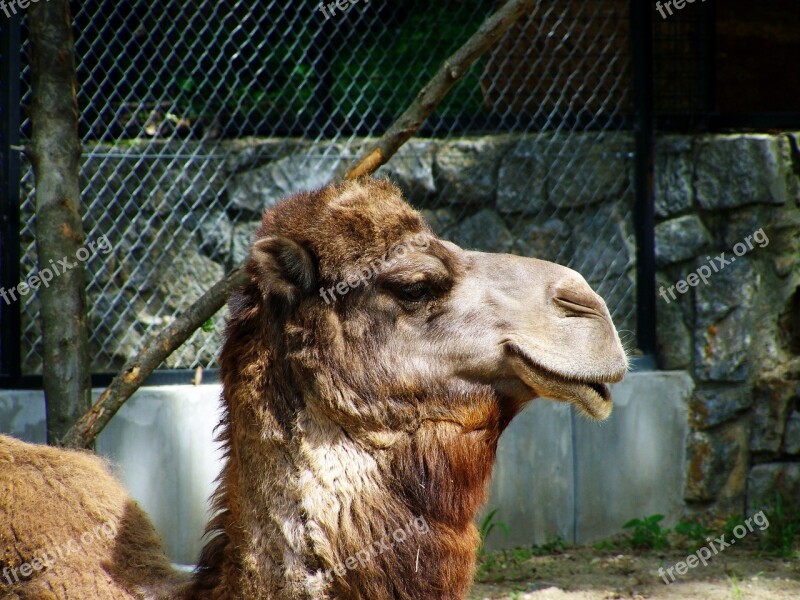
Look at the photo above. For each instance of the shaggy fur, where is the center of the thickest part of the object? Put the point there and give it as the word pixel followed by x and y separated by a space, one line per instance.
pixel 69 530
pixel 360 431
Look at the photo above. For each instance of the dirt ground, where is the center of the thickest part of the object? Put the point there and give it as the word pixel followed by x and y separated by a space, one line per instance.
pixel 584 573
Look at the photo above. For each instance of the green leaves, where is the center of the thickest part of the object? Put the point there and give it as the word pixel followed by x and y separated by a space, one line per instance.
pixel 488 524
pixel 647 533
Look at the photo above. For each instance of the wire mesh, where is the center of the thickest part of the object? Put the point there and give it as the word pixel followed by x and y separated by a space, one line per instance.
pixel 195 116
pixel 681 62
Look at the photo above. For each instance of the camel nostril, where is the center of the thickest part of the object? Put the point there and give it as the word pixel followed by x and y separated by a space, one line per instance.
pixel 579 299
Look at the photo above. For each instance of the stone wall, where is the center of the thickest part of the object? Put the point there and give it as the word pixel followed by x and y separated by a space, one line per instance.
pixel 734 322
pixel 176 224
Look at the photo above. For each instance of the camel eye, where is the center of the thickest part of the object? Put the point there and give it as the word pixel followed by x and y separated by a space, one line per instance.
pixel 414 292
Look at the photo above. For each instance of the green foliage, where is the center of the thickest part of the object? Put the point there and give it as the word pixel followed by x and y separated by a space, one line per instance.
pixel 487 526
pixel 607 545
pixel 377 74
pixel 377 71
pixel 646 533
pixel 554 546
pixel 208 326
pixel 508 565
pixel 512 565
pixel 736 592
pixel 695 533
pixel 730 524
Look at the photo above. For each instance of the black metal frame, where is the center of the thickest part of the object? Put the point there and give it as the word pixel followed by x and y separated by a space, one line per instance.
pixel 713 122
pixel 644 212
pixel 10 173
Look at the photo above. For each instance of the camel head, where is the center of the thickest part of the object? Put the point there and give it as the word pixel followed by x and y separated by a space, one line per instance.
pixel 392 325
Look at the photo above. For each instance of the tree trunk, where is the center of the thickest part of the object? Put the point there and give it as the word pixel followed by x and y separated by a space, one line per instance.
pixel 55 154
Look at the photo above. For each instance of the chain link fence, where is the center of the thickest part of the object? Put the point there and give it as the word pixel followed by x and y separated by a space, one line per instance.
pixel 196 116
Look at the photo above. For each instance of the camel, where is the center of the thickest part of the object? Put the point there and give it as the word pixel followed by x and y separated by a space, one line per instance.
pixel 368 369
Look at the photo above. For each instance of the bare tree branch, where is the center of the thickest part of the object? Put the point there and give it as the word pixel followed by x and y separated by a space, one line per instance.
pixel 55 154
pixel 160 346
pixel 154 351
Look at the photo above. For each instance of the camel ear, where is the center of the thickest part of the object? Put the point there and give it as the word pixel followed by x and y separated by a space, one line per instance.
pixel 283 268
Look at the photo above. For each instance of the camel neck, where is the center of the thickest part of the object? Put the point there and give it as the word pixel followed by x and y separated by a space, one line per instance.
pixel 330 514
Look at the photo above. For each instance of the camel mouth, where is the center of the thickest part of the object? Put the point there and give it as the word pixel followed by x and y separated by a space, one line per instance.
pixel 599 404
pixel 591 395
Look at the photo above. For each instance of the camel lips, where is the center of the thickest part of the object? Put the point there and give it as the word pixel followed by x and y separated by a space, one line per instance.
pixel 601 390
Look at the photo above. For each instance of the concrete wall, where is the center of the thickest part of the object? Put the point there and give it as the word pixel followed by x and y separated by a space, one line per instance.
pixel 557 474
pixel 560 475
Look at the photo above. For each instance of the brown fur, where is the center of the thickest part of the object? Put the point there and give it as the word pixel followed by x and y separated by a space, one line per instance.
pixel 57 496
pixel 352 423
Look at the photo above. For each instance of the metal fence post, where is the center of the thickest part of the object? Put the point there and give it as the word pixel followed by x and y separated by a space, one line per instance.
pixel 644 211
pixel 9 196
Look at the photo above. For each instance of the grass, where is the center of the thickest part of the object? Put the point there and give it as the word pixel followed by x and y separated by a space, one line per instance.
pixel 782 537
pixel 488 525
pixel 736 592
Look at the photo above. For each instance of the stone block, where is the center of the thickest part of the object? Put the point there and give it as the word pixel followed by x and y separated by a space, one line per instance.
pixel 411 168
pixel 674 175
pixel 768 479
pixel 772 400
pixel 593 168
pixel 521 179
pixel 725 322
pixel 465 171
pixel 680 239
pixel 673 333
pixel 737 170
pixel 485 231
pixel 717 405
pixel 717 463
